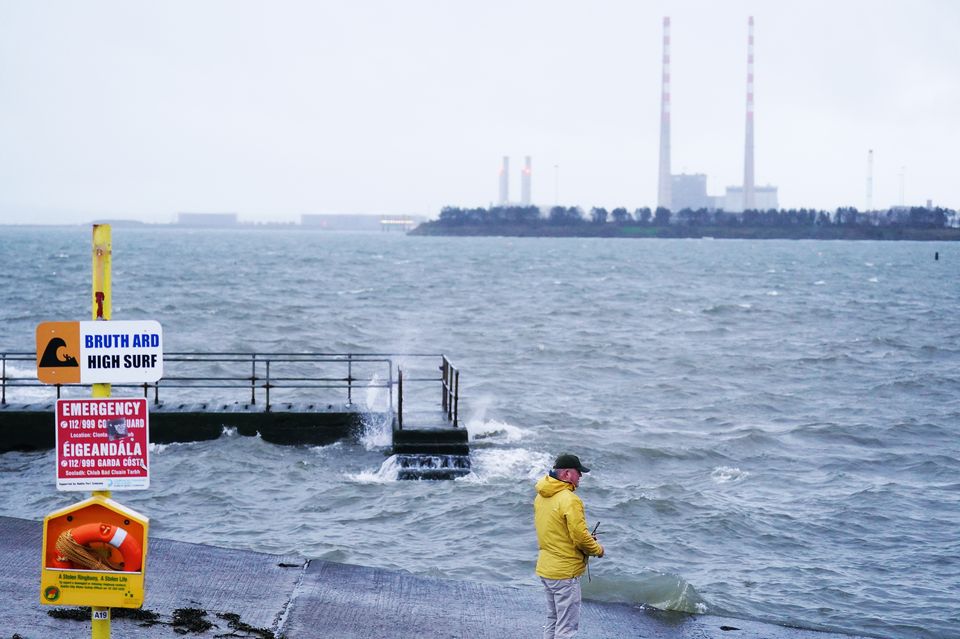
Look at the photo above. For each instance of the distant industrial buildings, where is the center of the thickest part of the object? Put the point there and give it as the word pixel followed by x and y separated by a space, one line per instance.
pixel 678 192
pixel 689 191
pixel 526 178
pixel 526 182
pixel 308 221
pixel 358 222
pixel 340 222
pixel 504 181
pixel 664 190
pixel 207 220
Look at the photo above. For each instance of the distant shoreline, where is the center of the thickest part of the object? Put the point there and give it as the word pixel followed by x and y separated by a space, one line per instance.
pixel 677 231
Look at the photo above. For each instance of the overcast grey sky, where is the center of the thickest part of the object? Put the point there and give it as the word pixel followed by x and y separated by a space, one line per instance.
pixel 138 109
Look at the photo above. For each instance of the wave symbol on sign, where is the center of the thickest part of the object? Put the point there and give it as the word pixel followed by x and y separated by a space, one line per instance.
pixel 52 355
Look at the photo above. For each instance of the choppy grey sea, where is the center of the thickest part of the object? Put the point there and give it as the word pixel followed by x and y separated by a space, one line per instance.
pixel 773 425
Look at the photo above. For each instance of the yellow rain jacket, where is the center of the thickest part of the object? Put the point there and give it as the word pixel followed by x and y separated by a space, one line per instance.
pixel 562 534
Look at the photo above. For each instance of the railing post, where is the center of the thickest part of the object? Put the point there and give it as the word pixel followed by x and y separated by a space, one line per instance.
pixel 390 380
pixel 349 379
pixel 444 369
pixel 399 398
pixel 4 399
pixel 456 396
pixel 253 379
pixel 156 393
pixel 267 386
pixel 449 388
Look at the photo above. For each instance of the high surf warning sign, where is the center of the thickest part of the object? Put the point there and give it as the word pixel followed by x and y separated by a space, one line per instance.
pixel 99 352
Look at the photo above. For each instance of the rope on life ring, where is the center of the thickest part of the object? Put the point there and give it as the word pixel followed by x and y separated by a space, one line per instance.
pixel 73 548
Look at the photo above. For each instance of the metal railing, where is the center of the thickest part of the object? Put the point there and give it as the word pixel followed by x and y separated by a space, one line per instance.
pixel 450 383
pixel 450 379
pixel 267 377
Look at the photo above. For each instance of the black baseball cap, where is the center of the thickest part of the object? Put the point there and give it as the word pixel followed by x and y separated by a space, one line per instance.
pixel 567 460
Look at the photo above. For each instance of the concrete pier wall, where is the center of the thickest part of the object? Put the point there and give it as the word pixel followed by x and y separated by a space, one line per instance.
pixel 31 426
pixel 249 594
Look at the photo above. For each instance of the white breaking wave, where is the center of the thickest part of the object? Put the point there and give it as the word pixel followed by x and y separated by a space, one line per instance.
pixel 377 398
pixel 723 474
pixel 26 394
pixel 509 463
pixel 323 450
pixel 388 472
pixel 377 431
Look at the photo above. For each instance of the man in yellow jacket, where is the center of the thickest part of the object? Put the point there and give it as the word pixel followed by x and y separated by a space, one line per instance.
pixel 565 543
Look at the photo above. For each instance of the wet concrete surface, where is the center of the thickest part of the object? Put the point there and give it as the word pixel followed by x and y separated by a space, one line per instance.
pixel 194 590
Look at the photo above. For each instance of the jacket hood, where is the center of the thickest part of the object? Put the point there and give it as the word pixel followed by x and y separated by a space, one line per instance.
pixel 549 486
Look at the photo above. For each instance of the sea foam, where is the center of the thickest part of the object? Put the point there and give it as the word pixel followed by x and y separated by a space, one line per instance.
pixel 724 474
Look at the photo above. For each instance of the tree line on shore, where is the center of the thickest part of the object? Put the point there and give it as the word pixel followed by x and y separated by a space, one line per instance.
pixel 561 216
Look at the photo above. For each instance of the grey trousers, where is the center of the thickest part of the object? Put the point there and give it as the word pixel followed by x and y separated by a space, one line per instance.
pixel 563 607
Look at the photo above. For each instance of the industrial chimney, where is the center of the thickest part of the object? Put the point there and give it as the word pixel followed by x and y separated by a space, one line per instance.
pixel 664 196
pixel 505 181
pixel 749 201
pixel 525 182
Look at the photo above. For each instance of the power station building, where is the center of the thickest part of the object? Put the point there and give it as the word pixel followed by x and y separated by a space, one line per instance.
pixel 764 199
pixel 689 191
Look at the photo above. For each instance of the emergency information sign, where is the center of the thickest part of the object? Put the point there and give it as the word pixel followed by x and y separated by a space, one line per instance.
pixel 102 444
pixel 99 352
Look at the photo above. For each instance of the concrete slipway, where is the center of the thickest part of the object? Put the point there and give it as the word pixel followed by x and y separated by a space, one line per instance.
pixel 288 596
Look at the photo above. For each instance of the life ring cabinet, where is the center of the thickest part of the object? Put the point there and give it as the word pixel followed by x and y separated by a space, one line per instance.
pixel 94 554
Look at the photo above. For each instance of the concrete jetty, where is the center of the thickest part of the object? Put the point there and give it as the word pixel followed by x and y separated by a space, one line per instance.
pixel 429 444
pixel 194 590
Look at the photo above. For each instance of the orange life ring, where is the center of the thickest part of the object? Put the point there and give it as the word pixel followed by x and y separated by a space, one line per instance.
pixel 115 536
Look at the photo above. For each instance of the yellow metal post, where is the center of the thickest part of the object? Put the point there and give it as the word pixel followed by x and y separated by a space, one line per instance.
pixel 102 249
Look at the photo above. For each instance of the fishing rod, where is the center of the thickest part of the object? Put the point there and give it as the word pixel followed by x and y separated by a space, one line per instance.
pixel 593 533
